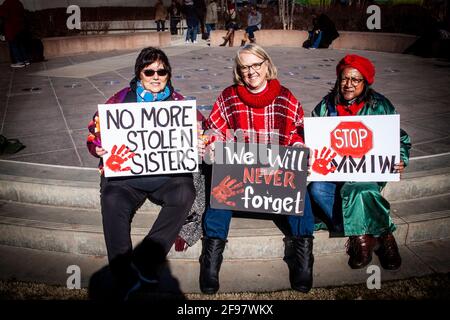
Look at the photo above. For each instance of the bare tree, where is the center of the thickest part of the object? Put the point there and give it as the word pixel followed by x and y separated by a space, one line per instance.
pixel 286 13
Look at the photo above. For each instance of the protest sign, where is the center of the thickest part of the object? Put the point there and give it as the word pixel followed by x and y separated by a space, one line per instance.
pixel 354 148
pixel 149 138
pixel 259 178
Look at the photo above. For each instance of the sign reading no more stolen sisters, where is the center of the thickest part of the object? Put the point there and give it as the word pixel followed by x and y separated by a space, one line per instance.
pixel 149 138
pixel 353 148
pixel 259 178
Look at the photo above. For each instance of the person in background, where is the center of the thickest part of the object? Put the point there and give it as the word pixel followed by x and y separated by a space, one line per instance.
pixel 255 97
pixel 13 14
pixel 231 24
pixel 324 32
pixel 211 17
pixel 358 209
pixel 191 20
pixel 160 16
pixel 200 10
pixel 175 16
pixel 253 24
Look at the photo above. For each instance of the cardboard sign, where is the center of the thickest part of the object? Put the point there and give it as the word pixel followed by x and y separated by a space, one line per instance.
pixel 149 138
pixel 259 178
pixel 354 148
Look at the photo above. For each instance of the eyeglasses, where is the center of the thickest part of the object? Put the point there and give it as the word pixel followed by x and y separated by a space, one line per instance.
pixel 160 72
pixel 353 81
pixel 255 66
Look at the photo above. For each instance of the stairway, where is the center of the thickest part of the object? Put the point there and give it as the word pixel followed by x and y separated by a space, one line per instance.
pixel 50 215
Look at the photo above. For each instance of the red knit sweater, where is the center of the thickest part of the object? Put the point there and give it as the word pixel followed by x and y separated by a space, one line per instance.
pixel 271 114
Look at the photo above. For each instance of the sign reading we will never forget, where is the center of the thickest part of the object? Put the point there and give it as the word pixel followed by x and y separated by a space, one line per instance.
pixel 148 138
pixel 354 148
pixel 259 178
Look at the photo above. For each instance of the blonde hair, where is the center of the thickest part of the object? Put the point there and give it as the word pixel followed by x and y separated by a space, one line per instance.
pixel 260 53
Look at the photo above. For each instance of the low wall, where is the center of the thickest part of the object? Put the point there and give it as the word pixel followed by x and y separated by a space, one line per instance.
pixel 375 41
pixel 61 46
pixel 268 38
pixel 124 26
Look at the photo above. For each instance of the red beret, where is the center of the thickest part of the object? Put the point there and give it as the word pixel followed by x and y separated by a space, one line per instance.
pixel 363 65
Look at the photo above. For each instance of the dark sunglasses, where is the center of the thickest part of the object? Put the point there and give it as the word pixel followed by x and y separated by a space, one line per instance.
pixel 160 72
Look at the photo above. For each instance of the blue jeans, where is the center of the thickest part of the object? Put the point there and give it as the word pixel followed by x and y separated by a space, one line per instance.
pixel 209 27
pixel 250 31
pixel 315 39
pixel 191 33
pixel 216 222
pixel 326 195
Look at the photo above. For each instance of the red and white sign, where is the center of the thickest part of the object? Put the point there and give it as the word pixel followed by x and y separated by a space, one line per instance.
pixel 351 138
pixel 356 148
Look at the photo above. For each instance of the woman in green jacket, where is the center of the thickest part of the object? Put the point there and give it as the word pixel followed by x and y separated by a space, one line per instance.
pixel 357 209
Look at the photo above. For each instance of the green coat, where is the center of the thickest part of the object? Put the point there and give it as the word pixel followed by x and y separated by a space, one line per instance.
pixel 364 209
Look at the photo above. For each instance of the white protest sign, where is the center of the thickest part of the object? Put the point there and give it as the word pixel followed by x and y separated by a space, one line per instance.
pixel 354 148
pixel 148 138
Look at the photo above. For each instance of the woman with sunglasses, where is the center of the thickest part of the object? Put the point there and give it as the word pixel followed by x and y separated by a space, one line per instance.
pixel 258 105
pixel 357 209
pixel 121 197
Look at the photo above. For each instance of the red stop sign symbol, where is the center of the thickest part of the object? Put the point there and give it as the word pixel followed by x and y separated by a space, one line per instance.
pixel 351 139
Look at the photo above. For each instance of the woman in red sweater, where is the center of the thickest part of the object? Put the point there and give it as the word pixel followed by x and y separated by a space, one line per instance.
pixel 257 105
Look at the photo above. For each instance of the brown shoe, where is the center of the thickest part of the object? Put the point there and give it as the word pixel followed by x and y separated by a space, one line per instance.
pixel 360 249
pixel 388 252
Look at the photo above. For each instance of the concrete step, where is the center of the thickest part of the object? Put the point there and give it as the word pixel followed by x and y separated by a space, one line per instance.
pixel 79 187
pixel 236 276
pixel 79 231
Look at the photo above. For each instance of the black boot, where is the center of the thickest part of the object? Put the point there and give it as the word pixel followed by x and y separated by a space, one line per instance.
pixel 224 43
pixel 299 257
pixel 210 262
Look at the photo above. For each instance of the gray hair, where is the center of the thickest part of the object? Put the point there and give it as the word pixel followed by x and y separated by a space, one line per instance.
pixel 260 53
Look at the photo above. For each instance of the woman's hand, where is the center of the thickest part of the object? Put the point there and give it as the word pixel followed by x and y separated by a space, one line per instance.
pixel 100 151
pixel 309 164
pixel 399 167
pixel 205 146
pixel 201 144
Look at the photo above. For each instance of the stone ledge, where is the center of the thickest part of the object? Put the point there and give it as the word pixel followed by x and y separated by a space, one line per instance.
pixel 375 41
pixel 63 46
pixel 57 231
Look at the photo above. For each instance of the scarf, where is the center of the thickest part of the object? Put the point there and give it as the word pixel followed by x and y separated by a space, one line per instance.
pixel 261 99
pixel 349 110
pixel 144 95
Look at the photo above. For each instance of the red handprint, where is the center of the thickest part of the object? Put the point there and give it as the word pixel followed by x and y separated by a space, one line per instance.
pixel 321 163
pixel 226 189
pixel 118 157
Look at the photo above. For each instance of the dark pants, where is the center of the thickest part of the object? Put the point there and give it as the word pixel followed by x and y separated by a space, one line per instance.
pixel 120 198
pixel 173 25
pixel 160 25
pixel 17 49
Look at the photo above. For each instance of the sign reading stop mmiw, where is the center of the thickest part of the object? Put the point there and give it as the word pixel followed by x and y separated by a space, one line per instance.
pixel 351 138
pixel 353 148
